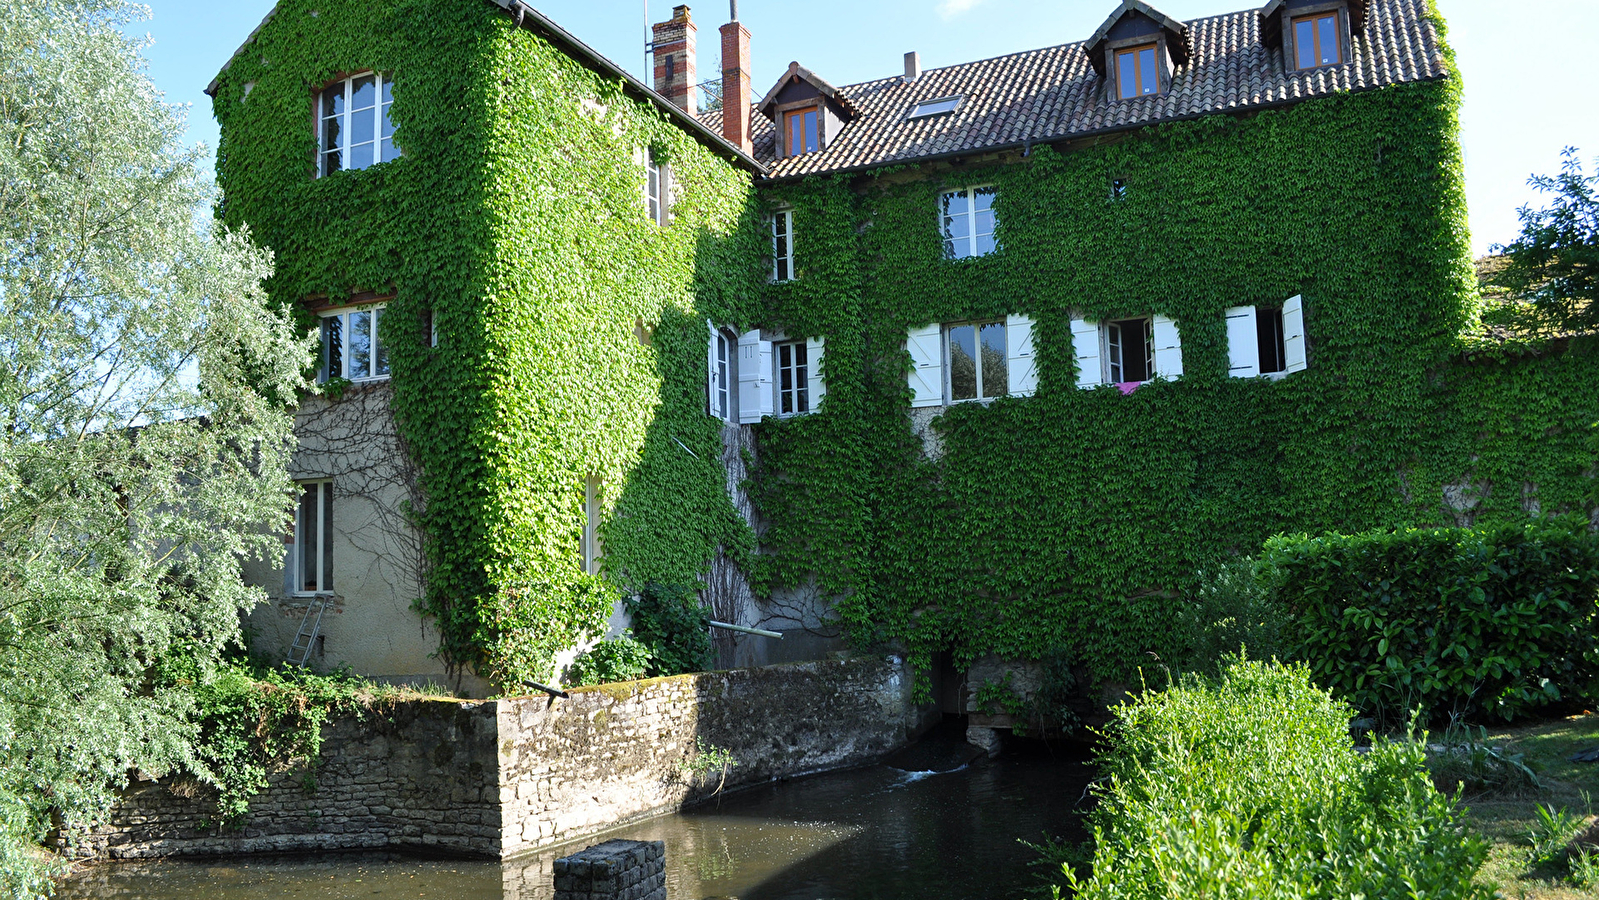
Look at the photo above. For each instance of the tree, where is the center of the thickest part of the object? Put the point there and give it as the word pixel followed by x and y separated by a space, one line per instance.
pixel 145 423
pixel 1554 263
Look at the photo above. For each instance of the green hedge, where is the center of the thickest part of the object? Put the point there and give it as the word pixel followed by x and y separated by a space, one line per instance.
pixel 1251 787
pixel 1488 621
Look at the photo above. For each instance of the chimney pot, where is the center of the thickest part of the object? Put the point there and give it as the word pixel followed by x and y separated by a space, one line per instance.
pixel 913 67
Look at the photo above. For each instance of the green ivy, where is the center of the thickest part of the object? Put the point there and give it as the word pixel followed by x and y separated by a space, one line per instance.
pixel 571 330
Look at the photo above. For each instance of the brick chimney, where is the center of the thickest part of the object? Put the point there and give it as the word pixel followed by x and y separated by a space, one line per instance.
pixel 674 60
pixel 736 83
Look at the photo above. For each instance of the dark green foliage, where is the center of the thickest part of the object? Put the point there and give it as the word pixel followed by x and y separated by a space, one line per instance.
pixel 571 329
pixel 669 621
pixel 1496 621
pixel 608 662
pixel 1232 612
pixel 257 721
pixel 1555 261
pixel 1250 787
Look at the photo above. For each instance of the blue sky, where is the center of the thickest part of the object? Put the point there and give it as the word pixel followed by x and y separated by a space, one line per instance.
pixel 1525 63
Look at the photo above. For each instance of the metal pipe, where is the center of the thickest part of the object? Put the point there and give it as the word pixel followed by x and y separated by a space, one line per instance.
pixel 758 632
pixel 553 692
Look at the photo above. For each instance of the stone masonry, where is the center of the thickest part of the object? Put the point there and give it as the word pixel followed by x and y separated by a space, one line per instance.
pixel 614 870
pixel 498 778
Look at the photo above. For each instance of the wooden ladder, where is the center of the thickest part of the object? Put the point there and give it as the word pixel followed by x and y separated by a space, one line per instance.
pixel 310 626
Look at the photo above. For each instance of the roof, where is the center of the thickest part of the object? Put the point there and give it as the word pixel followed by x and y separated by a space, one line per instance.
pixel 1052 94
pixel 530 18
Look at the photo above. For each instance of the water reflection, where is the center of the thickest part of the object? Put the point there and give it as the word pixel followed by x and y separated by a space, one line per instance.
pixel 877 833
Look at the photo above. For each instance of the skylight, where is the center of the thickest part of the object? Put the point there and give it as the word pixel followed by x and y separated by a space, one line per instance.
pixel 934 107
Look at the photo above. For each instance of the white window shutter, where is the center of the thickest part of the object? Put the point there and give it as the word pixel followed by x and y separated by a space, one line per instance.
pixel 1085 346
pixel 927 358
pixel 710 371
pixel 1294 333
pixel 1020 362
pixel 815 384
pixel 1243 342
pixel 1168 349
pixel 767 379
pixel 749 378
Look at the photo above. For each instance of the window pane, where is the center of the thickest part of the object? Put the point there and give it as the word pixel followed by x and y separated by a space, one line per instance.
pixel 387 150
pixel 381 364
pixel 333 100
pixel 332 134
pixel 361 156
pixel 812 143
pixel 802 369
pixel 1126 75
pixel 385 124
pixel 388 91
pixel 365 93
pixel 333 346
pixel 983 220
pixel 996 379
pixel 1305 43
pixel 1146 71
pixel 963 362
pixel 721 376
pixel 1114 333
pixel 1328 39
pixel 325 581
pixel 307 537
pixel 360 345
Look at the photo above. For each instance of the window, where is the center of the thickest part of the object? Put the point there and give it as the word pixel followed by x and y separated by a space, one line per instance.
pixel 1136 72
pixel 657 193
pixel 721 371
pixel 350 346
pixel 783 245
pixel 353 119
pixel 591 526
pixel 799 130
pixel 968 222
pixel 1126 352
pixel 1316 40
pixel 976 355
pixel 971 361
pixel 1118 189
pixel 1266 340
pixel 311 559
pixel 793 378
pixel 935 107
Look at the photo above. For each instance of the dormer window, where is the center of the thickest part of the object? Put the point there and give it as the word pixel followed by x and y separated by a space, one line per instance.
pixel 800 132
pixel 354 130
pixel 1316 40
pixel 1137 74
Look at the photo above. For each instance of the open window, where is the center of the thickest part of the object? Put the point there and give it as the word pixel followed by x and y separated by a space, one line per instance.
pixel 310 565
pixel 1266 340
pixel 978 360
pixel 354 129
pixel 756 374
pixel 722 369
pixel 351 345
pixel 1126 352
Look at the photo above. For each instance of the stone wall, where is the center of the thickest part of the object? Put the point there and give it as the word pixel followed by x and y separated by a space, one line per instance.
pixel 503 777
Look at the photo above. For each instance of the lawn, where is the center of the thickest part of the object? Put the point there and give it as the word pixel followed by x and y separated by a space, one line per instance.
pixel 1507 816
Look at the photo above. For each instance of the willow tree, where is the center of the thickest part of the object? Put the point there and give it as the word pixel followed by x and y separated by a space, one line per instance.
pixel 145 393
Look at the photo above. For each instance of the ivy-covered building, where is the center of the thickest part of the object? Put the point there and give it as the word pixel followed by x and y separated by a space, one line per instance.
pixel 988 359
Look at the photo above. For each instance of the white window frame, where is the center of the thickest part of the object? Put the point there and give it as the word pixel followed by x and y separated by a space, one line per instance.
pixel 295 569
pixel 783 246
pixel 591 549
pixel 797 395
pixel 722 374
pixel 381 122
pixel 951 247
pixel 657 190
pixel 375 354
pixel 977 326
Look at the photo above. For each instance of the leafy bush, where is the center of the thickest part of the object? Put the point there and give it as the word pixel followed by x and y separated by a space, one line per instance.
pixel 1232 612
pixel 608 662
pixel 668 619
pixel 1464 622
pixel 1250 787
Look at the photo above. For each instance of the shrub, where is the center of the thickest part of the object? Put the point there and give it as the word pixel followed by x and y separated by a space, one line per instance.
pixel 1496 621
pixel 668 619
pixel 618 659
pixel 1232 612
pixel 1250 787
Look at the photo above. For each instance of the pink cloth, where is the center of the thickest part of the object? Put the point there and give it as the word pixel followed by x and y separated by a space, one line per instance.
pixel 1127 387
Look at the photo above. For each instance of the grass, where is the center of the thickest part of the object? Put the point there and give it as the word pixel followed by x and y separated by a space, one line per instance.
pixel 1526 822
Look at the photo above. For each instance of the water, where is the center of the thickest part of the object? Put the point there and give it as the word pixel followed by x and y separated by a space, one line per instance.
pixel 878 833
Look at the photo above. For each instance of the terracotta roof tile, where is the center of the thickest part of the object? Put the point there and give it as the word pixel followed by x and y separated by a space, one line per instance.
pixel 1053 94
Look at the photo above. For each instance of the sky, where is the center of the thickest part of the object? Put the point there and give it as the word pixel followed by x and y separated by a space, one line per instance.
pixel 1525 64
